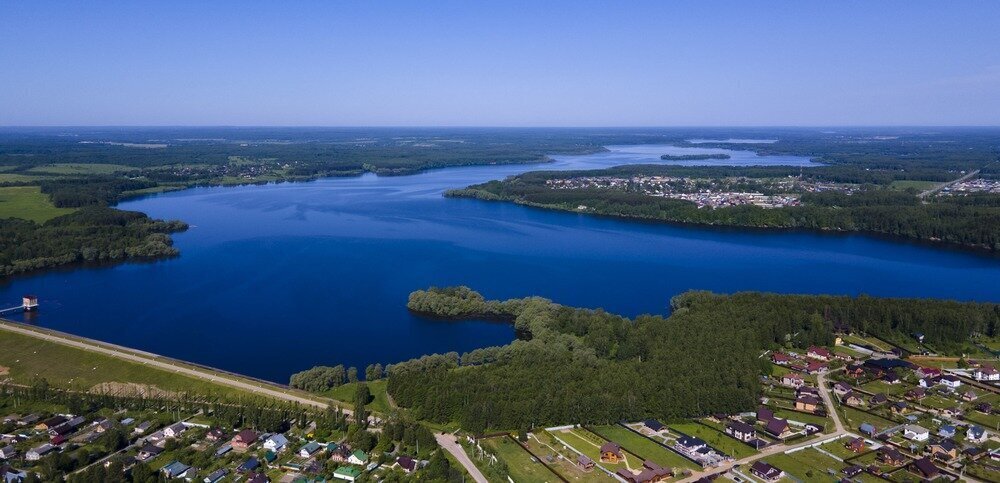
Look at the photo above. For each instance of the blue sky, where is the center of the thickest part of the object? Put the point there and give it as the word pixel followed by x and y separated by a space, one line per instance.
pixel 575 63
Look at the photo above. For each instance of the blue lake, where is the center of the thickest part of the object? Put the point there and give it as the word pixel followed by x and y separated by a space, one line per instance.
pixel 275 279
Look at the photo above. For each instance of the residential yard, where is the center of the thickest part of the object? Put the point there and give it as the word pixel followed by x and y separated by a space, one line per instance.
pixel 803 418
pixel 855 418
pixel 589 444
pixel 644 447
pixel 836 447
pixel 27 357
pixel 808 465
pixel 983 472
pixel 882 387
pixel 521 464
pixel 565 466
pixel 716 439
pixel 28 203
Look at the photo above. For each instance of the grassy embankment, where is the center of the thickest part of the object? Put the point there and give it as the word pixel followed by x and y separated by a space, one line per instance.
pixel 29 203
pixel 380 398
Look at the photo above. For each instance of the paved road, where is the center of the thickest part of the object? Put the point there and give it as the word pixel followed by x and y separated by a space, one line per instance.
pixel 781 448
pixel 254 387
pixel 450 443
pixel 945 185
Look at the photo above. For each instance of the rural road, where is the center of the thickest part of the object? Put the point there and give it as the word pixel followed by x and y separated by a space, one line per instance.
pixel 123 353
pixel 450 443
pixel 945 185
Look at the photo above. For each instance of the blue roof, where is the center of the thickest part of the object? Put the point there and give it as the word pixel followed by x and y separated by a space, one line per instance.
pixel 250 464
pixel 867 427
pixel 175 468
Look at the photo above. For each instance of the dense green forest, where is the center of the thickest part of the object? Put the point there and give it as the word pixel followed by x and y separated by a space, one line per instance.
pixel 972 220
pixel 572 365
pixel 91 234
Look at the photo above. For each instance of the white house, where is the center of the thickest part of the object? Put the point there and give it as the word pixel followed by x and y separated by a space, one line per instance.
pixel 174 430
pixel 986 373
pixel 951 382
pixel 916 433
pixel 8 452
pixel 276 443
pixel 976 434
pixel 309 449
pixel 35 454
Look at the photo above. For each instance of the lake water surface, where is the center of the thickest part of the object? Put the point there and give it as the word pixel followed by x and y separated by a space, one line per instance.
pixel 278 278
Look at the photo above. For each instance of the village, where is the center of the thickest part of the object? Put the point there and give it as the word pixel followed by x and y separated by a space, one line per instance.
pixel 708 193
pixel 975 185
pixel 863 410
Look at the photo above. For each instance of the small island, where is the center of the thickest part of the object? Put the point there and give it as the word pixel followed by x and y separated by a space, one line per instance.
pixel 693 157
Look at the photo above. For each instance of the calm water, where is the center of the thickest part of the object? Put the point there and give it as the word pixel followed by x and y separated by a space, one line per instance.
pixel 275 279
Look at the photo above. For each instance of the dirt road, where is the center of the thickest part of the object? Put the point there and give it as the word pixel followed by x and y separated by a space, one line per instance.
pixel 450 443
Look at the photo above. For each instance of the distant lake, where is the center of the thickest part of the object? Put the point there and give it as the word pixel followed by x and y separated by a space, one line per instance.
pixel 275 279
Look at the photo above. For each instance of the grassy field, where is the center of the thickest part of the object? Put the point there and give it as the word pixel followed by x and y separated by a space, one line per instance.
pixel 902 184
pixel 380 401
pixel 80 168
pixel 855 418
pixel 837 447
pixel 522 466
pixel 20 178
pixel 882 387
pixel 807 465
pixel 644 447
pixel 716 439
pixel 803 418
pixel 29 203
pixel 589 444
pixel 62 366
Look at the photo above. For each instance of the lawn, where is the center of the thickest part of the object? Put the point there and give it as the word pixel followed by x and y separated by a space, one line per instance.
pixel 836 447
pixel 903 184
pixel 803 418
pixel 644 447
pixel 715 439
pixel 29 203
pixel 80 168
pixel 855 418
pixel 380 399
pixel 589 444
pixel 522 466
pixel 807 465
pixel 69 367
pixel 882 387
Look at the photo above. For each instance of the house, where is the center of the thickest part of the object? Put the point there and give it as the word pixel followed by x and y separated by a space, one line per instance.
pixel 650 473
pixel 408 464
pixel 867 429
pixel 348 473
pixel 878 399
pixel 915 394
pixel 36 453
pixel 249 465
pixel 611 452
pixel 8 452
pixel 925 468
pixel 927 372
pixel 986 373
pixel 973 452
pixel 855 371
pixel 258 478
pixel 891 456
pixel 807 403
pixel 10 475
pixel 969 396
pixel 174 430
pixel 856 445
pixel 841 388
pixel 852 399
pixel 175 469
pixel 584 463
pixel 142 427
pixel 148 452
pixel 891 377
pixel 216 476
pixel 28 420
pixel 945 450
pixel 741 431
pixel 792 380
pixel 215 434
pixel 815 367
pixel 765 471
pixel 309 449
pixel 951 382
pixel 852 471
pixel 915 433
pixel 899 407
pixel 692 443
pixel 50 423
pixel 243 440
pixel 653 425
pixel 276 443
pixel 819 353
pixel 946 431
pixel 764 414
pixel 780 358
pixel 223 449
pixel 340 454
pixel 928 382
pixel 358 457
pixel 777 428
pixel 127 421
pixel 976 434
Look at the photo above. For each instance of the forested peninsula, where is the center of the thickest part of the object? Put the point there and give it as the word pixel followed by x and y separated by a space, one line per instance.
pixel 591 366
pixel 693 157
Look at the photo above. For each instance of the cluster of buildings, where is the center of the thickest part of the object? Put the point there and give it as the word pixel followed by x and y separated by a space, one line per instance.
pixel 977 185
pixel 703 193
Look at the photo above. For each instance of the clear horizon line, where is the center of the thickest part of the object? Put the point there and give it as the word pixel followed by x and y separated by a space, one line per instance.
pixel 497 126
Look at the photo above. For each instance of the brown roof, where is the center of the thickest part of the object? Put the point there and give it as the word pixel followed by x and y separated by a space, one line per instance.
pixel 247 436
pixel 611 447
